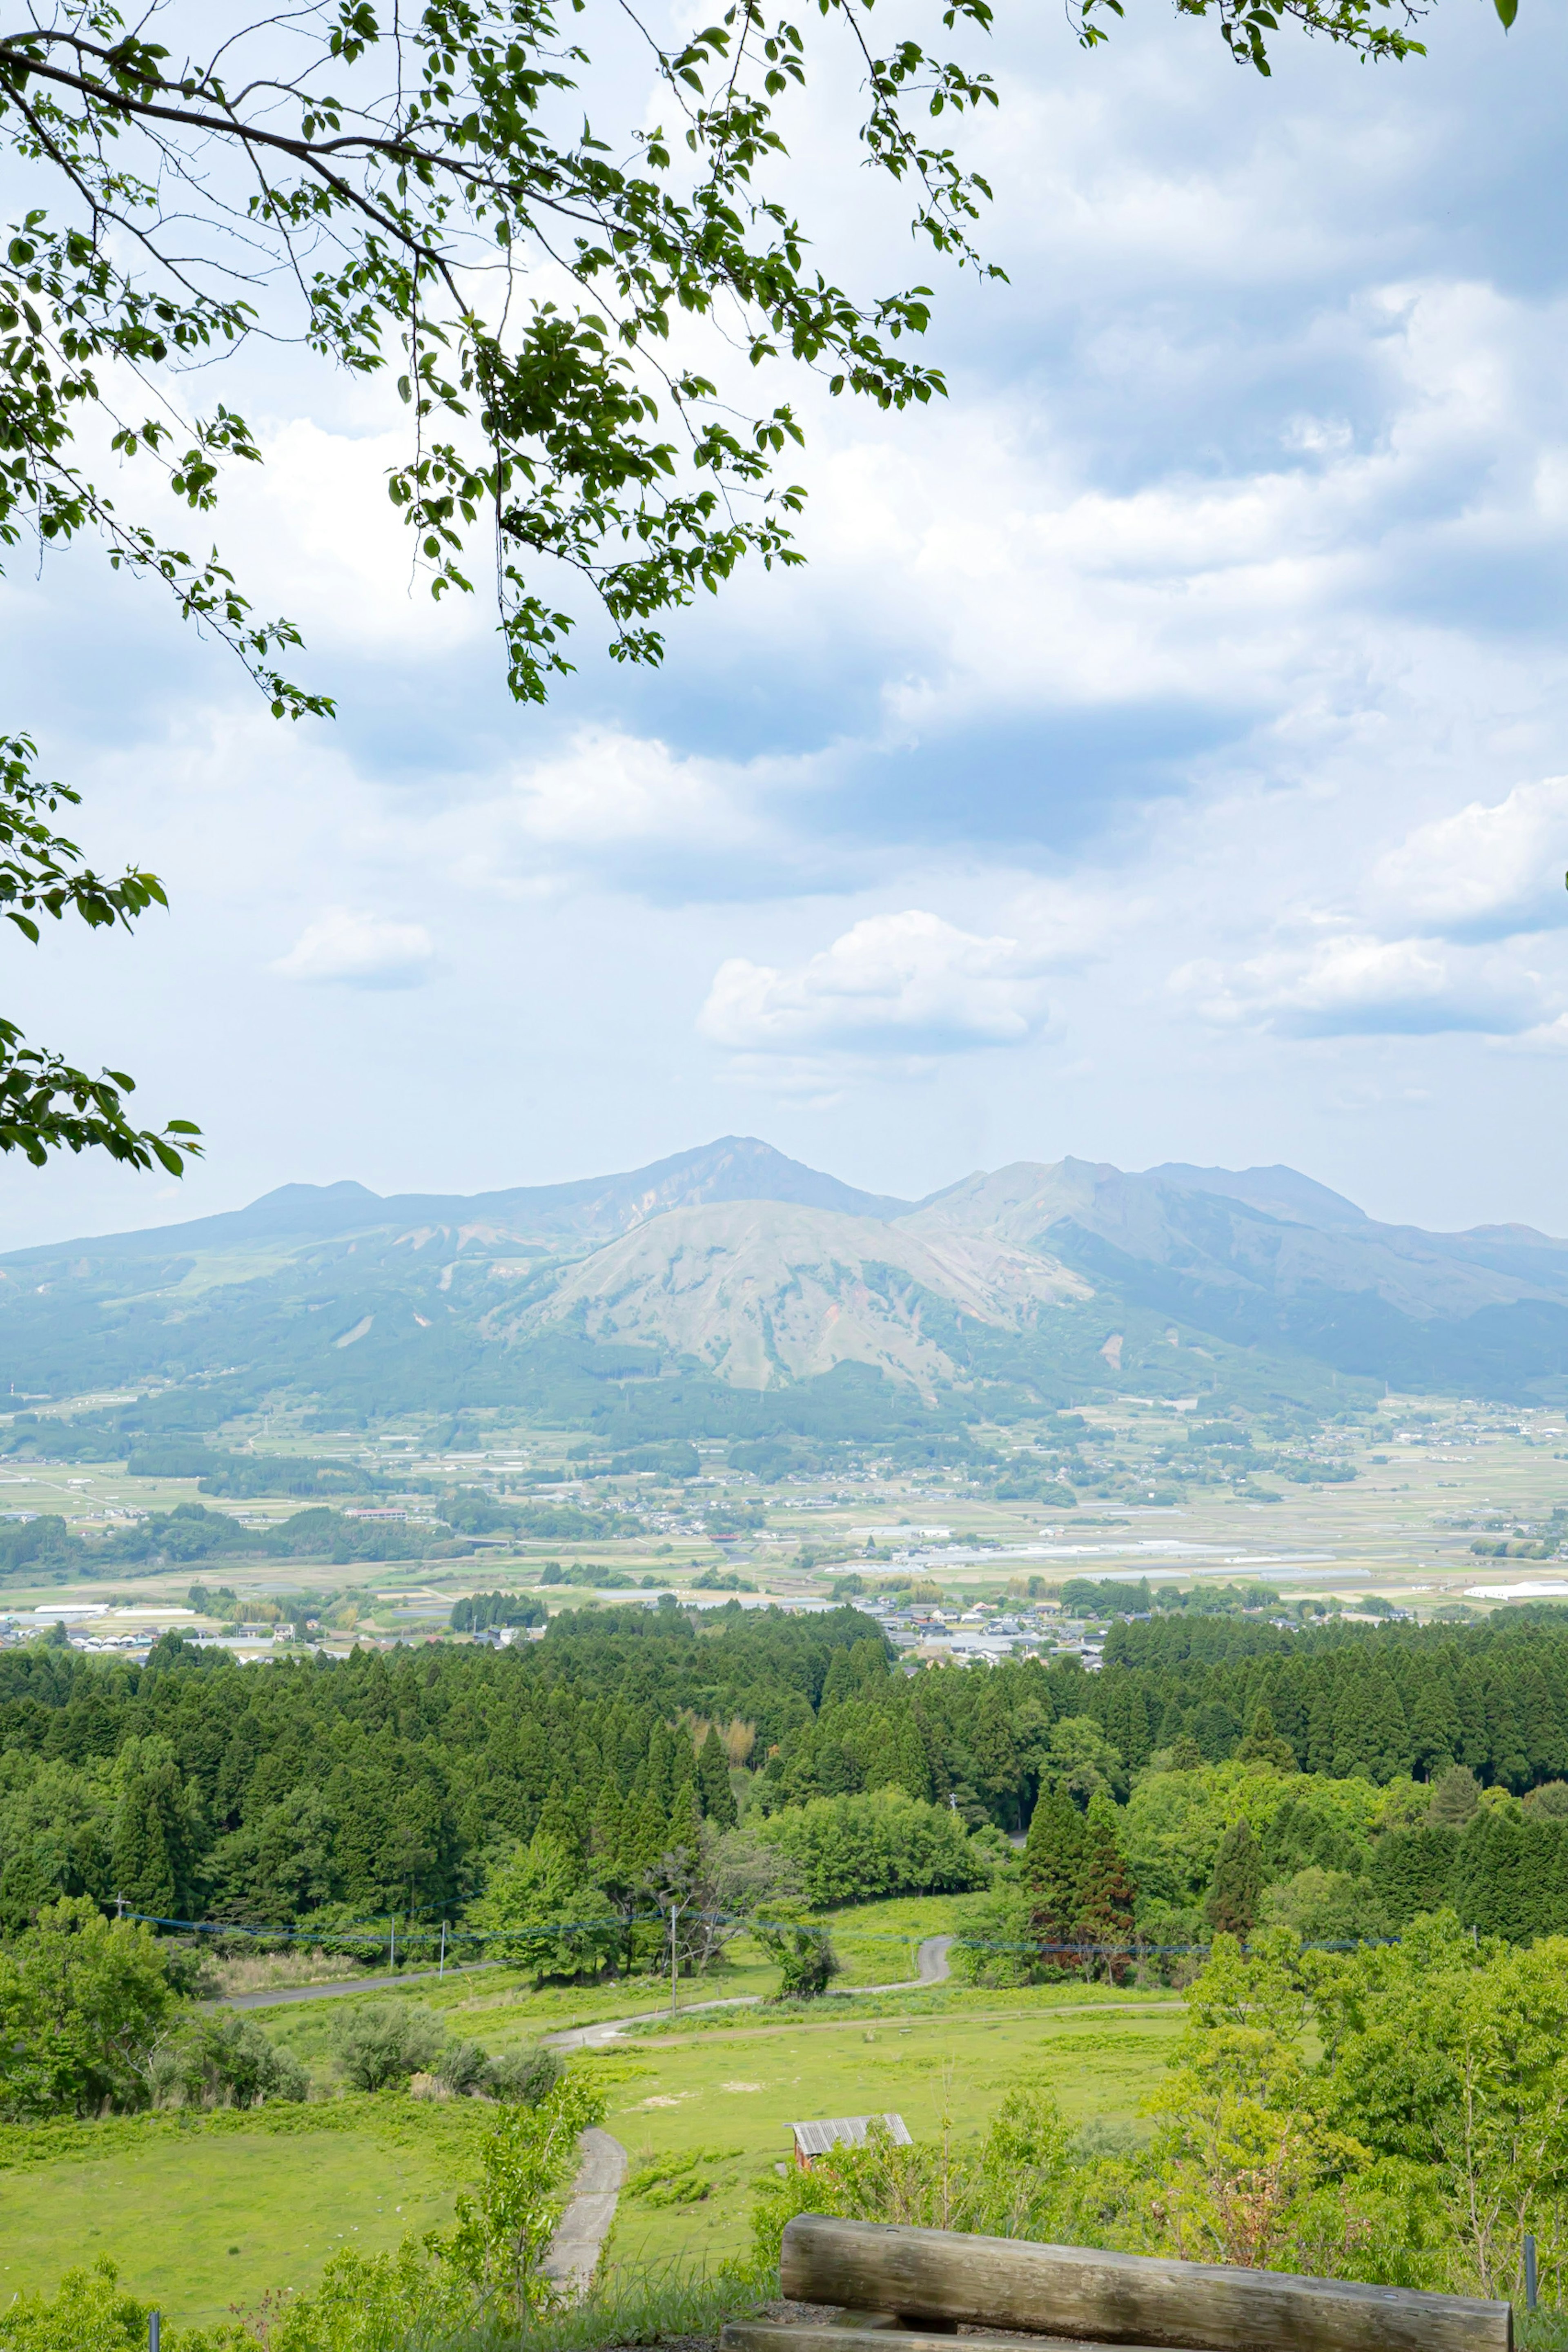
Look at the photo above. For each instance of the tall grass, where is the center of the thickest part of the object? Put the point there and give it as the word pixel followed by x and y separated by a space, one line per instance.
pixel 629 2307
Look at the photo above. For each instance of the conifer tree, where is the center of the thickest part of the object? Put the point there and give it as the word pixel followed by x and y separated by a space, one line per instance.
pixel 1264 1744
pixel 1053 1865
pixel 141 1862
pixel 1455 1796
pixel 713 1782
pixel 1237 1884
pixel 1107 1893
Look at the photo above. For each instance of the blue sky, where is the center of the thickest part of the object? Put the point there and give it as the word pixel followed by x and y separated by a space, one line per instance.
pixel 1164 755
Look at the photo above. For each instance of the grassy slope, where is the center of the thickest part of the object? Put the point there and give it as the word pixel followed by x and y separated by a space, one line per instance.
pixel 167 2198
pixel 200 2220
pixel 732 2093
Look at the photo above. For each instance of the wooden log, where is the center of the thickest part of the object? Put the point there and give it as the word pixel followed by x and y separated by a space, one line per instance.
pixel 809 2335
pixel 1079 2293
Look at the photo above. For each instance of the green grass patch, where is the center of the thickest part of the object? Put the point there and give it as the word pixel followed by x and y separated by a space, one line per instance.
pixel 206 2214
pixel 713 2111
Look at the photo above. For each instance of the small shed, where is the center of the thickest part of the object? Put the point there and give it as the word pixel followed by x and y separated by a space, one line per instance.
pixel 812 2140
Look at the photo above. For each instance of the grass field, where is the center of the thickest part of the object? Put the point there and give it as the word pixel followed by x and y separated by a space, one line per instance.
pixel 727 2095
pixel 200 2219
pixel 207 2213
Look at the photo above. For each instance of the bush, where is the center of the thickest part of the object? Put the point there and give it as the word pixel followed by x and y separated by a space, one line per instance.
pixel 1007 2185
pixel 88 2312
pixel 222 2062
pixel 523 2077
pixel 461 2067
pixel 387 2042
pixel 807 1960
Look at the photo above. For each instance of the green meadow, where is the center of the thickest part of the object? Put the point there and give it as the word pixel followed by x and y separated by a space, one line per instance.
pixel 207 2213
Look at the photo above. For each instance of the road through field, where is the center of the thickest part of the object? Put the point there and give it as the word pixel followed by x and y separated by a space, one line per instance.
pixel 930 1963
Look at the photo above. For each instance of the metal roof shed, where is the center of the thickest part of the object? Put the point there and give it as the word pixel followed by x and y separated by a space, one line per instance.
pixel 815 2139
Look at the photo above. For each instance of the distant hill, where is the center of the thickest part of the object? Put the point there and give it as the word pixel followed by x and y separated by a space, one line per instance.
pixel 593 1209
pixel 732 1287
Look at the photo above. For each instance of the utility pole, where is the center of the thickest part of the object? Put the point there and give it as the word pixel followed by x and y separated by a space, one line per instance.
pixel 120 1906
pixel 391 1950
pixel 442 1969
pixel 674 1954
pixel 1528 2273
pixel 153 2332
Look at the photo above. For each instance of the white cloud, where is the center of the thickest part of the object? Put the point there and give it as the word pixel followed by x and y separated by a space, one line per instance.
pixel 1358 985
pixel 360 951
pixel 909 983
pixel 1491 870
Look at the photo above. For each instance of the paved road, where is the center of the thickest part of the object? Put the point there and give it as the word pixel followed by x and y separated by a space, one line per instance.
pixel 930 1963
pixel 574 2249
pixel 341 1985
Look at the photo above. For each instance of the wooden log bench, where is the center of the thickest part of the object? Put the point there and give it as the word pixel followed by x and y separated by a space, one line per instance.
pixel 915 2288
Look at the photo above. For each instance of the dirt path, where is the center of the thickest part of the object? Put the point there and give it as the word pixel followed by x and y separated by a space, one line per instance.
pixel 584 2226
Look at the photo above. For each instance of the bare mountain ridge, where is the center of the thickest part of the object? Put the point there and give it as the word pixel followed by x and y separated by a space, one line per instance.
pixel 738 1262
pixel 762 1291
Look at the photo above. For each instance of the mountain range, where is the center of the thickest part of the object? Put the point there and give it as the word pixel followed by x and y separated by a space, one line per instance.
pixel 733 1288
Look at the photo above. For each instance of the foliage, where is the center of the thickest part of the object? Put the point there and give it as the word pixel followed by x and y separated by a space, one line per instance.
pixel 851 1848
pixel 1008 2184
pixel 1238 1883
pixel 88 2311
pixel 223 2061
pixel 1453 2056
pixel 522 2077
pixel 383 2042
pixel 552 1919
pixel 45 1103
pixel 528 2164
pixel 803 1953
pixel 411 165
pixel 82 1999
pixel 477 1610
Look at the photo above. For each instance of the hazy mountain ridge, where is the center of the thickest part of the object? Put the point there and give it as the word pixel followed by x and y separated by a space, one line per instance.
pixel 736 1266
pixel 763 1291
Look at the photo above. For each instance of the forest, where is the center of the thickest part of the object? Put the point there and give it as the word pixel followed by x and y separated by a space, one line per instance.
pixel 1336 1779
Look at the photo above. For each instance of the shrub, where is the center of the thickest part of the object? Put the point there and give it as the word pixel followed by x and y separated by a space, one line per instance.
pixel 222 2062
pixel 523 2077
pixel 1007 2185
pixel 387 2042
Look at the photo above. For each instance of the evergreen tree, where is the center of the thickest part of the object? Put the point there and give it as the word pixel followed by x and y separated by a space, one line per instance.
pixel 1411 1872
pixel 1107 1893
pixel 713 1781
pixel 1053 1865
pixel 1237 1884
pixel 1455 1796
pixel 1435 1730
pixel 1264 1744
pixel 1509 1764
pixel 141 1860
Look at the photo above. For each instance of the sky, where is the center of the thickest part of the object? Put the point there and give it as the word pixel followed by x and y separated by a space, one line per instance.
pixel 1162 755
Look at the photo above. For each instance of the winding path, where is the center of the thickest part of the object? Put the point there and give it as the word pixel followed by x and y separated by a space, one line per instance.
pixel 931 1966
pixel 575 2248
pixel 930 1961
pixel 577 2242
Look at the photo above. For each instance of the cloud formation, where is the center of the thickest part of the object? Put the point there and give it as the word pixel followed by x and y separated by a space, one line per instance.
pixel 1355 985
pixel 907 984
pixel 359 951
pixel 1490 870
